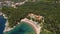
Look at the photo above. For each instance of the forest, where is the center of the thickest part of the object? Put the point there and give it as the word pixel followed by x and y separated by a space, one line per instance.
pixel 49 10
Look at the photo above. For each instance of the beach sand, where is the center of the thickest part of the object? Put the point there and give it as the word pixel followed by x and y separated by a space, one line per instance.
pixel 37 28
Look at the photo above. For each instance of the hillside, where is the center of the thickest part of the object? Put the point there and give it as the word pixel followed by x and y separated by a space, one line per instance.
pixel 50 11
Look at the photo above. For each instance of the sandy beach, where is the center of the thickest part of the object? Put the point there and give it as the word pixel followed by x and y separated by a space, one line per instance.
pixel 36 28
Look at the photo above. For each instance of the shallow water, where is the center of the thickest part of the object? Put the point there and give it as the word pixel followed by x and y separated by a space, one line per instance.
pixel 2 24
pixel 22 28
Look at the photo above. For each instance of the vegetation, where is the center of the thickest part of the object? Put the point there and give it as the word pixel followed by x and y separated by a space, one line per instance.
pixel 45 32
pixel 49 10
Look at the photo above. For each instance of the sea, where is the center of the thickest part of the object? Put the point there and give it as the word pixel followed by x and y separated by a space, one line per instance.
pixel 22 28
pixel 2 24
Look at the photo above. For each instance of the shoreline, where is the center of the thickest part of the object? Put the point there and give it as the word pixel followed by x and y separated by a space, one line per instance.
pixel 30 22
pixel 7 28
pixel 37 29
pixel 6 24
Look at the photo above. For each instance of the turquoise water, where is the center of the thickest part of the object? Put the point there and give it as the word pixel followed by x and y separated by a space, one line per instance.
pixel 22 28
pixel 2 24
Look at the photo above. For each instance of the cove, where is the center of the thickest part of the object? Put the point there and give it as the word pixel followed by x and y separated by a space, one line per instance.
pixel 22 28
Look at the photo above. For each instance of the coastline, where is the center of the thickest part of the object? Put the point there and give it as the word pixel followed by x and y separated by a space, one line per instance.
pixel 37 29
pixel 7 28
pixel 30 22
